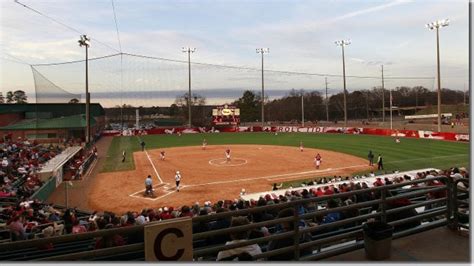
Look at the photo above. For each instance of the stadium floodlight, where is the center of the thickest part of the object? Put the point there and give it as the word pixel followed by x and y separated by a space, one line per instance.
pixel 263 51
pixel 431 26
pixel 343 43
pixel 85 42
pixel 189 50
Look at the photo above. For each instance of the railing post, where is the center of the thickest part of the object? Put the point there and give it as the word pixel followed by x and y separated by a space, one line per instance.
pixel 452 207
pixel 296 236
pixel 383 205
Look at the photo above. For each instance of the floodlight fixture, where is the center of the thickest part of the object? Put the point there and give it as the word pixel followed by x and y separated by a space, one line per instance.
pixel 84 41
pixel 188 49
pixel 438 24
pixel 342 42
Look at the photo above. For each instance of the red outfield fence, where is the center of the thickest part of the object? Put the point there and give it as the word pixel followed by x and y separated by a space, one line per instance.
pixel 422 134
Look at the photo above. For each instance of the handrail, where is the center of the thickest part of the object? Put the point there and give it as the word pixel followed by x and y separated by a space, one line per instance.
pixel 351 232
pixel 456 203
pixel 96 253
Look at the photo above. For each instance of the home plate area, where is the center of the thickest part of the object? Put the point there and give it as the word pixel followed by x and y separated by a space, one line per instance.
pixel 159 191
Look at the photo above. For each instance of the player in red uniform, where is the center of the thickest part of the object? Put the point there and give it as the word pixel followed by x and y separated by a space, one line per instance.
pixel 317 160
pixel 227 154
pixel 162 155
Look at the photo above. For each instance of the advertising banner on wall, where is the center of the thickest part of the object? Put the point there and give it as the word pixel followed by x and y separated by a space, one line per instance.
pixel 423 134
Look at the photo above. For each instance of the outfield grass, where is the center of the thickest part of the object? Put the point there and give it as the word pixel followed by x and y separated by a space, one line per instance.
pixel 408 155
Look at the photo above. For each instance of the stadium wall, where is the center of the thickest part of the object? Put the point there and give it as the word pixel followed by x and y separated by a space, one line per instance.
pixel 45 191
pixel 422 134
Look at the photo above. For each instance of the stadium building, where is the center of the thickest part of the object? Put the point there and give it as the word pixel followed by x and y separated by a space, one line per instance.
pixel 49 122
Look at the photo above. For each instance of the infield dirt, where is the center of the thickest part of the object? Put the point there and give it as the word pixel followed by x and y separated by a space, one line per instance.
pixel 206 175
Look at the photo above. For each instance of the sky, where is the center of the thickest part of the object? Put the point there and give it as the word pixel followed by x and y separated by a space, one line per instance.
pixel 300 35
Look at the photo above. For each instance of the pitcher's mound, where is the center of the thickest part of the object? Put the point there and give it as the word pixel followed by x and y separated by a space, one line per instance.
pixel 224 162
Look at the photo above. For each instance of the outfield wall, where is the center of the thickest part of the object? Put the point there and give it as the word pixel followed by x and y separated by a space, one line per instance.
pixel 422 134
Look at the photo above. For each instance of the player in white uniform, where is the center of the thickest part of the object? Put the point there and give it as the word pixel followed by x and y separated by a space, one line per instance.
pixel 204 144
pixel 227 154
pixel 177 178
pixel 301 146
pixel 317 160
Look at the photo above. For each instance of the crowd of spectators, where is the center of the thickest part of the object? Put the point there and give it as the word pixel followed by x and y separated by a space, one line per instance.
pixel 20 161
pixel 33 213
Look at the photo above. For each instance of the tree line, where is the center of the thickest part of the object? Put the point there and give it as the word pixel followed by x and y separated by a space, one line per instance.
pixel 13 97
pixel 361 104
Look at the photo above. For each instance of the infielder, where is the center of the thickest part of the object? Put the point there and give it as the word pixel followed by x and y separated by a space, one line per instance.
pixel 301 146
pixel 177 177
pixel 204 144
pixel 227 154
pixel 317 160
pixel 162 155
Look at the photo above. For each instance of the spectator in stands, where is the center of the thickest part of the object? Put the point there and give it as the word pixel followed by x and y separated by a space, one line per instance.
pixel 397 203
pixel 78 228
pixel 332 216
pixel 186 212
pixel 68 219
pixel 17 229
pixel 286 242
pixel 220 223
pixel 238 237
pixel 47 232
pixel 109 240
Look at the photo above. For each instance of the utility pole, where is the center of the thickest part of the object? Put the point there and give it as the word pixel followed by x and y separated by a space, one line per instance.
pixel 263 51
pixel 383 98
pixel 189 50
pixel 327 100
pixel 391 118
pixel 464 95
pixel 85 41
pixel 302 109
pixel 436 25
pixel 367 105
pixel 416 100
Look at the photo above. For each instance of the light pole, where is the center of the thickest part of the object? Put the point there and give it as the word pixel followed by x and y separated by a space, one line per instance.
pixel 85 41
pixel 263 51
pixel 343 43
pixel 189 50
pixel 436 25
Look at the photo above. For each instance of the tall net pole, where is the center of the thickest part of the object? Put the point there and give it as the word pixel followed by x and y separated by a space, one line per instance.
pixel 383 98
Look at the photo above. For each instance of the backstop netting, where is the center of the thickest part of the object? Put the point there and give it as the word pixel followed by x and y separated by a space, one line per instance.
pixel 134 80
